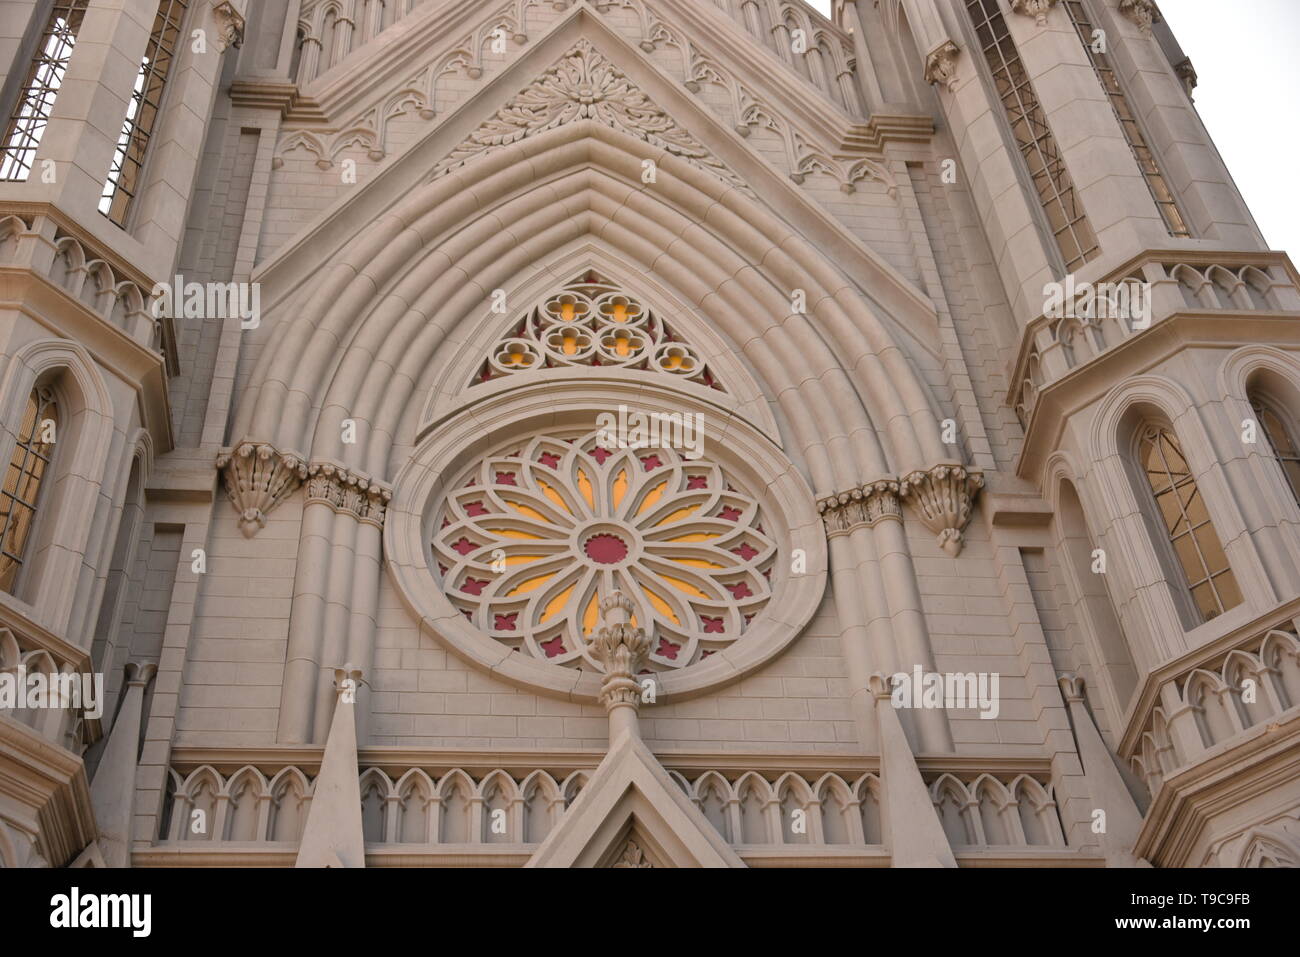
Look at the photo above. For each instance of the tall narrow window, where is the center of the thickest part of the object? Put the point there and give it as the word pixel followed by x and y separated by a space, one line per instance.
pixel 28 467
pixel 1194 541
pixel 142 112
pixel 1146 159
pixel 31 113
pixel 1281 441
pixel 1052 182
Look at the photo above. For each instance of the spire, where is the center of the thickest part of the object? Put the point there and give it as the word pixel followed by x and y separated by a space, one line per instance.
pixel 916 838
pixel 113 792
pixel 1106 787
pixel 333 835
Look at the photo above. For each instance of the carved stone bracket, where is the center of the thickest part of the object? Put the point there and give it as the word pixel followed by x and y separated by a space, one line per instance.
pixel 622 649
pixel 258 477
pixel 1071 686
pixel 941 65
pixel 346 491
pixel 943 499
pixel 1038 9
pixel 1141 12
pixel 863 506
pixel 230 26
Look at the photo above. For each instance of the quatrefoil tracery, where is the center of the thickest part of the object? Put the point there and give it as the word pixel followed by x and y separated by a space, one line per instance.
pixel 591 322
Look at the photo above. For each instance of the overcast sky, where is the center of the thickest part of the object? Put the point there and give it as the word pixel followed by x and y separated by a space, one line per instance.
pixel 1245 54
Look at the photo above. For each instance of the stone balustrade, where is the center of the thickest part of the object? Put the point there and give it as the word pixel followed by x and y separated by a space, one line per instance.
pixel 1179 282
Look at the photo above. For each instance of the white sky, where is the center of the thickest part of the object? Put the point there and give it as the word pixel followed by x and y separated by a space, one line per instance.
pixel 1248 98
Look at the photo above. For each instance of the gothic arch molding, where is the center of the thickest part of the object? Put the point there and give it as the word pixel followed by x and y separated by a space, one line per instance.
pixel 737 263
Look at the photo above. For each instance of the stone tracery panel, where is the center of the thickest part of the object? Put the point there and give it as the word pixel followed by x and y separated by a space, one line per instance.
pixel 591 322
pixel 534 534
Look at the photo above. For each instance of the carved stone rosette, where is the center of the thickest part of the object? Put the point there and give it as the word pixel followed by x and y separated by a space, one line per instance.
pixel 1141 12
pixel 258 477
pixel 230 25
pixel 347 491
pixel 863 506
pixel 622 649
pixel 1038 9
pixel 941 65
pixel 943 499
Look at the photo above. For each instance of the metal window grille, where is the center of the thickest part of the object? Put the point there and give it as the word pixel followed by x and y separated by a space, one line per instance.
pixel 1146 158
pixel 142 112
pixel 1056 192
pixel 1281 441
pixel 28 467
pixel 31 113
pixel 1187 523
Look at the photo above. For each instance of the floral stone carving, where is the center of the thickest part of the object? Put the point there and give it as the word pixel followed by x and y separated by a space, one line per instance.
pixel 258 477
pixel 584 85
pixel 943 499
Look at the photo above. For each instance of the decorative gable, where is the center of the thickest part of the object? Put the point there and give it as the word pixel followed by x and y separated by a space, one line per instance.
pixel 585 85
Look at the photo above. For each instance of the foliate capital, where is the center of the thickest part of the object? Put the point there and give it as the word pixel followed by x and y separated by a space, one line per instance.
pixel 943 498
pixel 941 65
pixel 258 477
pixel 1038 9
pixel 863 506
pixel 622 650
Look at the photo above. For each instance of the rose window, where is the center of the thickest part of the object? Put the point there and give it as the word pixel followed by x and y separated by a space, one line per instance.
pixel 533 536
pixel 592 323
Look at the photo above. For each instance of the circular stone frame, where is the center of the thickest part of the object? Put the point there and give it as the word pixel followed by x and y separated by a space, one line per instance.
pixel 448 445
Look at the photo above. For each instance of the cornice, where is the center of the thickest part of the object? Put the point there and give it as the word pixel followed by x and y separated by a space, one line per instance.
pixel 51 782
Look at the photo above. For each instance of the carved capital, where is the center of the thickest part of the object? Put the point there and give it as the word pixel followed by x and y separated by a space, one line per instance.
pixel 1141 12
pixel 230 25
pixel 1071 686
pixel 1038 9
pixel 941 65
pixel 622 649
pixel 346 491
pixel 258 477
pixel 139 674
pixel 943 498
pixel 859 507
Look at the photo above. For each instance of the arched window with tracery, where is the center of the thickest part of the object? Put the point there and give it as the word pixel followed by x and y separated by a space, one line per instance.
pixel 1279 433
pixel 1190 534
pixel 29 466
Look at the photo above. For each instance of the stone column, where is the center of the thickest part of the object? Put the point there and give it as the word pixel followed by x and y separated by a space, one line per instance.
pixel 622 650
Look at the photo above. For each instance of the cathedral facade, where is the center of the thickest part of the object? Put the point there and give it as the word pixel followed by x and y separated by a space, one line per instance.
pixel 637 433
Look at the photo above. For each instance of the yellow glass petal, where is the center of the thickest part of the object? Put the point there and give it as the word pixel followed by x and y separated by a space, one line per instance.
pixel 591 616
pixel 620 487
pixel 685 587
pixel 529 512
pixel 529 585
pixel 661 606
pixel 652 497
pixel 677 516
pixel 522 559
pixel 697 563
pixel 695 537
pixel 515 533
pixel 554 496
pixel 584 486
pixel 556 604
